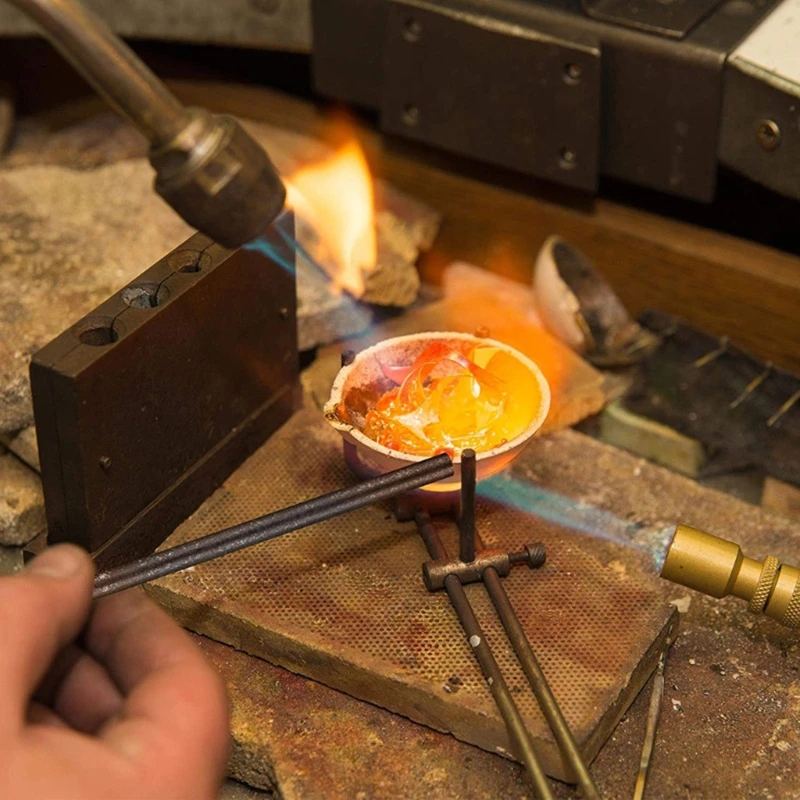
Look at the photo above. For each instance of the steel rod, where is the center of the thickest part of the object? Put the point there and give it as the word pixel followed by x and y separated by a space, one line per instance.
pixel 429 535
pixel 273 525
pixel 285 516
pixel 109 65
pixel 466 522
pixel 515 725
pixel 538 682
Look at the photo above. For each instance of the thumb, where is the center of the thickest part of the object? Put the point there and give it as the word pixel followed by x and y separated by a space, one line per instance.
pixel 41 610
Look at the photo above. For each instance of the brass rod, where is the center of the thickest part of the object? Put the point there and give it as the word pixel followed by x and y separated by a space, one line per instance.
pixel 538 682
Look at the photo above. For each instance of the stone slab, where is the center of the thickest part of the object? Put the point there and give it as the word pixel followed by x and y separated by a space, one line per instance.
pixel 21 502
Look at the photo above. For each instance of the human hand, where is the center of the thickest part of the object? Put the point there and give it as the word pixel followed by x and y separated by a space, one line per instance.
pixel 134 712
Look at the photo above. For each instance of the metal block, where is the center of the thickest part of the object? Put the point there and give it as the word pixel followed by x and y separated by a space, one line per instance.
pixel 760 135
pixel 276 24
pixel 348 35
pixel 661 119
pixel 674 18
pixel 511 95
pixel 147 404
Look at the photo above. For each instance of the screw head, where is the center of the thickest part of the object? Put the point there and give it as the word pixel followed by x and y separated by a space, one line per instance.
pixel 567 158
pixel 537 554
pixel 410 115
pixel 573 73
pixel 412 30
pixel 534 555
pixel 105 462
pixel 768 134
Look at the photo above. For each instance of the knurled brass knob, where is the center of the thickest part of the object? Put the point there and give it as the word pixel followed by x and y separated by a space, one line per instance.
pixel 791 617
pixel 766 581
pixel 718 568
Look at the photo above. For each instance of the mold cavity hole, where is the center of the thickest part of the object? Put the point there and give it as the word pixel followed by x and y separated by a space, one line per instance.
pixel 97 331
pixel 144 295
pixel 188 260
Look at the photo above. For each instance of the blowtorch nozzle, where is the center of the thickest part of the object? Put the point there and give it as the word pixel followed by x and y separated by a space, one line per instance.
pixel 718 568
pixel 218 178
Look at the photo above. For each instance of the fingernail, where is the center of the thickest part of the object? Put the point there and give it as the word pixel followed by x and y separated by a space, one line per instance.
pixel 62 561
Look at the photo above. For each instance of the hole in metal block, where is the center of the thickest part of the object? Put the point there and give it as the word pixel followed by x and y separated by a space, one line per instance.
pixel 567 158
pixel 410 115
pixel 573 73
pixel 144 295
pixel 412 30
pixel 188 260
pixel 96 331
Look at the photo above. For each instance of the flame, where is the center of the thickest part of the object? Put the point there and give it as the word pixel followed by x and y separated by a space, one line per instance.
pixel 335 197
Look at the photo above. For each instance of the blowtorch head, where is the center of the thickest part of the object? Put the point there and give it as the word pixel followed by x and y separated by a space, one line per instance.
pixel 219 179
pixel 718 568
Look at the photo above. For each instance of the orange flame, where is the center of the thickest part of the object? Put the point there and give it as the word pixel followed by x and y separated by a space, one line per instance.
pixel 336 198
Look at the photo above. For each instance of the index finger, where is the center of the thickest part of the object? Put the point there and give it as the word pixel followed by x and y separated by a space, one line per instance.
pixel 175 709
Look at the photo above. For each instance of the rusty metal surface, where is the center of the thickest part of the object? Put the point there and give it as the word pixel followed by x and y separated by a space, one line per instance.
pixel 732 693
pixel 344 603
pixel 732 699
pixel 147 404
pixel 728 724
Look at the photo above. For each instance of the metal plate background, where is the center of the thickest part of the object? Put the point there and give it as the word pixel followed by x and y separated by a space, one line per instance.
pixel 344 603
pixel 278 24
pixel 671 18
pixel 493 91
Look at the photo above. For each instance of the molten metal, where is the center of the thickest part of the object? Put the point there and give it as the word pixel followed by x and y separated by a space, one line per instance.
pixel 456 395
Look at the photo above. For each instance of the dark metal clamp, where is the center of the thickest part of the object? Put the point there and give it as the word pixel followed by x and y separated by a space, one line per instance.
pixel 488 567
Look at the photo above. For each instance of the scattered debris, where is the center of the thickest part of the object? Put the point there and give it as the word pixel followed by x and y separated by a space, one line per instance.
pixel 682 603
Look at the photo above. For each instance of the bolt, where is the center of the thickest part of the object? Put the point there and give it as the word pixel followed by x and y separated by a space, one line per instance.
pixel 573 73
pixel 412 30
pixel 284 313
pixel 534 555
pixel 768 134
pixel 568 159
pixel 411 115
pixel 105 462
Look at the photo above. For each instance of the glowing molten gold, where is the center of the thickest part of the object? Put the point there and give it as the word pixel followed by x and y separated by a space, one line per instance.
pixel 453 397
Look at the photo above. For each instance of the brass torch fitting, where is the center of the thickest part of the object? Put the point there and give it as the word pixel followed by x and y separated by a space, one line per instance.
pixel 718 568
